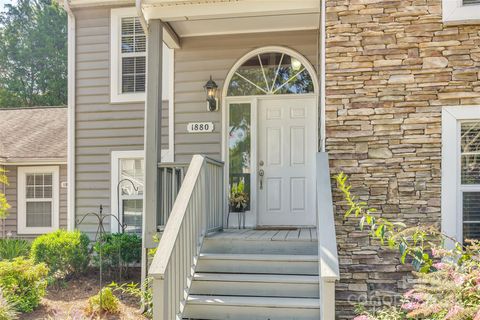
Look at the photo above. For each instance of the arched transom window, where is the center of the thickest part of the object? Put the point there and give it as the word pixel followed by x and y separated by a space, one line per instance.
pixel 271 73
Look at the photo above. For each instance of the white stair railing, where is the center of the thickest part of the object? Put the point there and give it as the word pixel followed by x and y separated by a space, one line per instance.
pixel 198 210
pixel 327 241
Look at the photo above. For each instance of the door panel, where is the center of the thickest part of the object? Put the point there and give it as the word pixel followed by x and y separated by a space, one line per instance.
pixel 286 147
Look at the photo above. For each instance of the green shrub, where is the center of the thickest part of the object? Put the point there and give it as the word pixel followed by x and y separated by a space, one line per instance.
pixel 65 252
pixel 118 250
pixel 109 303
pixel 13 248
pixel 23 282
pixel 7 311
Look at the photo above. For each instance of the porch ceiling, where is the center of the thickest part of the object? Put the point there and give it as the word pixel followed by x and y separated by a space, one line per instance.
pixel 215 17
pixel 206 17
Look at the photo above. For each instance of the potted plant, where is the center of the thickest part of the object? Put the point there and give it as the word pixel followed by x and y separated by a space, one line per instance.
pixel 238 201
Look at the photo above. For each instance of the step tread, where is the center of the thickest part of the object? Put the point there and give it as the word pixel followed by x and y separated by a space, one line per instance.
pixel 266 278
pixel 259 257
pixel 267 302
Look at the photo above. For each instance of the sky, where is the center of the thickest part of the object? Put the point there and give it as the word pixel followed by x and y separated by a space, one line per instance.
pixel 3 2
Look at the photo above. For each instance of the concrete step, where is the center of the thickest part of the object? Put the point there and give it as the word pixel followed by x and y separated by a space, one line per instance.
pixel 251 308
pixel 260 285
pixel 258 263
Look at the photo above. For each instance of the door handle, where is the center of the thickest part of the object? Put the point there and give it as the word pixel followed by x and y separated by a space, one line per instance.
pixel 261 173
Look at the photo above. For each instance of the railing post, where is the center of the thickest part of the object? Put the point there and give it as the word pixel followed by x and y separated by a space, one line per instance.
pixel 159 305
pixel 205 195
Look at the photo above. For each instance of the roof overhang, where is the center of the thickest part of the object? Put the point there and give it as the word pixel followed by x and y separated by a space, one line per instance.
pixel 31 161
pixel 217 17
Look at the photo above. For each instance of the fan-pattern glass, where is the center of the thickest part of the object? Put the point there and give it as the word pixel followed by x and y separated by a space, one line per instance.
pixel 271 73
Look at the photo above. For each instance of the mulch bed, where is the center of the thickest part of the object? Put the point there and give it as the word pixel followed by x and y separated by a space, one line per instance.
pixel 67 300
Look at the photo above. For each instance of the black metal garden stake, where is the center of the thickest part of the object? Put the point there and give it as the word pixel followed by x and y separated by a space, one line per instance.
pixel 100 236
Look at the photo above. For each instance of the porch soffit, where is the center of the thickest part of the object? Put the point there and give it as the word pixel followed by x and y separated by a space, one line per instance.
pixel 201 18
pixel 215 17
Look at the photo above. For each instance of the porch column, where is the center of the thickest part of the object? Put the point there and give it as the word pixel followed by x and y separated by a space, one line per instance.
pixel 153 145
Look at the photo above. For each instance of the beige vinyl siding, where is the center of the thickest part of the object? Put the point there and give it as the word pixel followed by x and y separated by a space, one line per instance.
pixel 101 127
pixel 200 57
pixel 11 194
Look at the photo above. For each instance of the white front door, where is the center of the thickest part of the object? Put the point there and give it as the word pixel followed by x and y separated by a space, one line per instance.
pixel 285 161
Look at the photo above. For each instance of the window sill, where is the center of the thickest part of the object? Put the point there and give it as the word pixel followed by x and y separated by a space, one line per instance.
pixel 455 13
pixel 35 231
pixel 127 97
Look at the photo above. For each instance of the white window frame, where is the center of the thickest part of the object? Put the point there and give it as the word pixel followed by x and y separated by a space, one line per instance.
pixel 455 12
pixel 115 178
pixel 116 94
pixel 452 210
pixel 22 204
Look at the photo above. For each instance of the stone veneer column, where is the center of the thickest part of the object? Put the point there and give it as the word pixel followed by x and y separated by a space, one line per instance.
pixel 391 66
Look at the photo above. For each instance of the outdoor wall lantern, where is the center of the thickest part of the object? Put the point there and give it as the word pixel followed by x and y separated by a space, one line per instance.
pixel 211 91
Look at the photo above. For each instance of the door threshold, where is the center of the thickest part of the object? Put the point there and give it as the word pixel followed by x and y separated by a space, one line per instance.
pixel 275 228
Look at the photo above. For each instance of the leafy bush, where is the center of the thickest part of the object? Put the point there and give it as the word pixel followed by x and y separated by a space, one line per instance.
pixel 23 283
pixel 118 250
pixel 109 303
pixel 448 280
pixel 13 248
pixel 7 311
pixel 65 252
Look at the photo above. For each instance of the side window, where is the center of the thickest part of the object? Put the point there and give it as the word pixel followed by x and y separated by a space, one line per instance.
pixel 128 59
pixel 460 193
pixel 131 193
pixel 133 52
pixel 127 183
pixel 470 178
pixel 38 196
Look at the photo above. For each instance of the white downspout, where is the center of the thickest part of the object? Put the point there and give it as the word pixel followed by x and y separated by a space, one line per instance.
pixel 322 71
pixel 144 258
pixel 71 117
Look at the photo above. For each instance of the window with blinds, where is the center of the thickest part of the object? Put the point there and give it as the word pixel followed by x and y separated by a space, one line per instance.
pixel 470 178
pixel 133 55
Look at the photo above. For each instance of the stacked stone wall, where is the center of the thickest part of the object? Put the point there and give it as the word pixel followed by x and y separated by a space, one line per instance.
pixel 391 67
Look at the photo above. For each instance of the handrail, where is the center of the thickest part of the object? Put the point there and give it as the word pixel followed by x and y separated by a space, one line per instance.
pixel 195 213
pixel 329 270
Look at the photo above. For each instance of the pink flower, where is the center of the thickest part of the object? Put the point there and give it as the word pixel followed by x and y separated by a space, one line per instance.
pixel 362 317
pixel 477 316
pixel 458 279
pixel 440 265
pixel 409 306
pixel 456 309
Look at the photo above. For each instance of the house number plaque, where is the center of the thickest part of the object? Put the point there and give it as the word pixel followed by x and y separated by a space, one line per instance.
pixel 199 127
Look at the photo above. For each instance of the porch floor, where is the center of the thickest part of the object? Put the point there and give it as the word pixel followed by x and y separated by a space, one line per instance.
pixel 300 234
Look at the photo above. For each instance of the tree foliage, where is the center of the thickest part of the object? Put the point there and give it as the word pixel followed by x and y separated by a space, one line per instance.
pixel 33 54
pixel 4 206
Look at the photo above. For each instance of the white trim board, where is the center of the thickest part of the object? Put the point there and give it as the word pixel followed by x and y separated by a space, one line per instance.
pixel 452 220
pixel 454 12
pixel 21 199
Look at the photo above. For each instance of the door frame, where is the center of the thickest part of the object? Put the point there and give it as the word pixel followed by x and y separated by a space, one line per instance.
pixel 253 100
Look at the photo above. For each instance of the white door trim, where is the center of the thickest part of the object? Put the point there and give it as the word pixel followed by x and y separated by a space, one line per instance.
pixel 226 100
